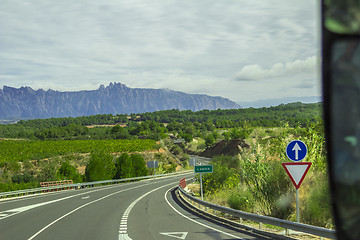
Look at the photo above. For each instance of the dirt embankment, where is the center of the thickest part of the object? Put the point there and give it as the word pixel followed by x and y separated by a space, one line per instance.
pixel 230 148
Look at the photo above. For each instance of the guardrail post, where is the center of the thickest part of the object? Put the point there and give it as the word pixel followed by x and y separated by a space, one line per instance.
pixel 260 225
pixel 287 232
pixel 240 220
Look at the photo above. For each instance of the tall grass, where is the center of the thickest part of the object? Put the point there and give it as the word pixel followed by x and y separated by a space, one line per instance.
pixel 262 185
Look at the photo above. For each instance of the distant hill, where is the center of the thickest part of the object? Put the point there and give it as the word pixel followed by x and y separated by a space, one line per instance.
pixel 116 98
pixel 277 101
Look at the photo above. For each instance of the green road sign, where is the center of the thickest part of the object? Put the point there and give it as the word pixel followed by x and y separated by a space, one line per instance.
pixel 204 169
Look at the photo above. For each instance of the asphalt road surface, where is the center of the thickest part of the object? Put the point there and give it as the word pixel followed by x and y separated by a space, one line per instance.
pixel 137 210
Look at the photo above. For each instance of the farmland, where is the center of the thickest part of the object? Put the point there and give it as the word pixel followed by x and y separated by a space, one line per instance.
pixel 20 150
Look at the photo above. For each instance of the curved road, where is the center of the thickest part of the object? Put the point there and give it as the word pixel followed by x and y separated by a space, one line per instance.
pixel 137 210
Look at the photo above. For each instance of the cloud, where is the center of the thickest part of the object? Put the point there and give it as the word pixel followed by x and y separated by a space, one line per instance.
pixel 279 70
pixel 187 46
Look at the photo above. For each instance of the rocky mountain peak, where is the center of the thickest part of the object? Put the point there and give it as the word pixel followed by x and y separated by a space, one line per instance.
pixel 116 98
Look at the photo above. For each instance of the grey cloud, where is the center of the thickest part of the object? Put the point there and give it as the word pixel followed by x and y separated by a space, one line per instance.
pixel 154 43
pixel 256 72
pixel 306 85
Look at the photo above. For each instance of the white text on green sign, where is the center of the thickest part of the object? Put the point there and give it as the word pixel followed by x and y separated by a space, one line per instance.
pixel 204 169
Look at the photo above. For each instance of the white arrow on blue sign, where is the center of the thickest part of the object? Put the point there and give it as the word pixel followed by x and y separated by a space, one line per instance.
pixel 296 150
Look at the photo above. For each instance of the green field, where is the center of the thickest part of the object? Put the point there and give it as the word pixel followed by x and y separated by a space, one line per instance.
pixel 18 150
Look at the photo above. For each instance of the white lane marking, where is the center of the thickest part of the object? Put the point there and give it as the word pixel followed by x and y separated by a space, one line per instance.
pixel 55 221
pixel 44 228
pixel 25 208
pixel 5 214
pixel 174 234
pixel 85 197
pixel 123 225
pixel 202 224
pixel 46 194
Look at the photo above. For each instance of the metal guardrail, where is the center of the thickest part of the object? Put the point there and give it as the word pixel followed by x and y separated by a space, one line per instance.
pixel 300 227
pixel 82 185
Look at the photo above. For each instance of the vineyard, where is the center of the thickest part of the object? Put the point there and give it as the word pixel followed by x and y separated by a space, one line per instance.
pixel 19 151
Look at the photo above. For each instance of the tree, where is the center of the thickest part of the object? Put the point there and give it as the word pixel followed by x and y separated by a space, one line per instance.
pixel 188 137
pixel 124 167
pixel 209 140
pixel 226 135
pixel 69 172
pixel 128 166
pixel 100 166
pixel 119 132
pixel 139 165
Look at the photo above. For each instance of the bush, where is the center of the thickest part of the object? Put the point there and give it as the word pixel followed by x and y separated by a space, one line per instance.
pixel 283 207
pixel 242 201
pixel 221 177
pixel 48 171
pixel 25 178
pixel 69 172
pixel 175 149
pixel 209 140
pixel 188 137
pixel 228 161
pixel 266 180
pixel 317 206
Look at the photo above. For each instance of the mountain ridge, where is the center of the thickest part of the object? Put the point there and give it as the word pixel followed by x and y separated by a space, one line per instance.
pixel 116 98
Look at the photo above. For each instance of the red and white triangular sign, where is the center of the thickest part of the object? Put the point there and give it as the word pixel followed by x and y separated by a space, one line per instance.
pixel 297 171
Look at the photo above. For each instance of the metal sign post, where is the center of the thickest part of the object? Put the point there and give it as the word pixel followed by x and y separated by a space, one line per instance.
pixel 296 151
pixel 203 169
pixel 201 188
pixel 297 206
pixel 154 170
pixel 153 164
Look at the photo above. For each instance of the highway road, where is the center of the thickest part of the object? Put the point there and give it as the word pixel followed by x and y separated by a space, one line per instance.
pixel 138 210
pixel 201 160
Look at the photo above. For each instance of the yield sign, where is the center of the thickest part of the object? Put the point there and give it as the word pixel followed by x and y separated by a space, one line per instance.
pixel 297 171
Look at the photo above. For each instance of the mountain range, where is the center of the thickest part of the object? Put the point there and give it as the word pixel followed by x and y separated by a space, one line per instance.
pixel 115 98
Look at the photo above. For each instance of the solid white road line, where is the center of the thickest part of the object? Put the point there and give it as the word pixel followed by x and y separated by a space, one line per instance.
pixel 25 208
pixel 202 224
pixel 46 194
pixel 55 221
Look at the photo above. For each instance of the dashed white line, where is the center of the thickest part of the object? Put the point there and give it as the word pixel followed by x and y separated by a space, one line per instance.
pixel 123 235
pixel 47 226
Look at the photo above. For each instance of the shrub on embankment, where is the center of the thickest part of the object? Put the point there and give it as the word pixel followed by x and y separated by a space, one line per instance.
pixel 255 181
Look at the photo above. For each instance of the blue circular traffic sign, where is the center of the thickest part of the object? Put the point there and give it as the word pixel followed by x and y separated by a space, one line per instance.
pixel 296 150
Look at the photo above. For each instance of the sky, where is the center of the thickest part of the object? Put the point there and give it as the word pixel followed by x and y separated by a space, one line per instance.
pixel 242 50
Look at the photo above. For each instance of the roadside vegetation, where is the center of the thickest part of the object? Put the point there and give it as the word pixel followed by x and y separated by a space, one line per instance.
pixel 255 181
pixel 247 147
